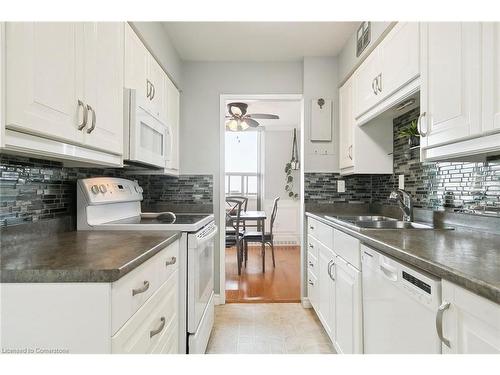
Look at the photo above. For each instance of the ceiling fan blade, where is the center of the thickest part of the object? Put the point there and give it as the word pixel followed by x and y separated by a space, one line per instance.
pixel 251 122
pixel 263 116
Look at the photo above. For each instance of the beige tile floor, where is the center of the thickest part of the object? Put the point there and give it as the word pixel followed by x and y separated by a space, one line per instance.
pixel 267 328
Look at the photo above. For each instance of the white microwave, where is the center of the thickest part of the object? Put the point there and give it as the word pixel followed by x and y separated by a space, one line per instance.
pixel 147 140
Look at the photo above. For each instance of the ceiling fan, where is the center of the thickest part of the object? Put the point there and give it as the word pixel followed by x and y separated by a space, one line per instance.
pixel 239 119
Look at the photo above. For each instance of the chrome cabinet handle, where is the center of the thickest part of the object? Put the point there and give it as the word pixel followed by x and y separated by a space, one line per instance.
pixel 311 246
pixel 311 264
pixel 141 289
pixel 84 112
pixel 419 125
pixel 153 91
pixel 379 82
pixel 311 227
pixel 159 329
pixel 374 83
pixel 170 261
pixel 439 323
pixel 148 89
pixel 349 152
pixel 89 130
pixel 330 267
pixel 311 283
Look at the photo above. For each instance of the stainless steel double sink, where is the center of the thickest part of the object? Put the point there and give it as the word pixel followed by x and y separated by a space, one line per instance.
pixel 379 222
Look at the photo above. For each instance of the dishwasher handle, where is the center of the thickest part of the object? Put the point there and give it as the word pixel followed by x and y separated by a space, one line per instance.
pixel 439 322
pixel 389 271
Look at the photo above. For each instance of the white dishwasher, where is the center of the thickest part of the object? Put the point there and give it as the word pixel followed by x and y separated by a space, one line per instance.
pixel 399 306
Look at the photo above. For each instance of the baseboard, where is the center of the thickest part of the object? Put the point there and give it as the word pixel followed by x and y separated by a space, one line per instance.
pixel 219 300
pixel 305 303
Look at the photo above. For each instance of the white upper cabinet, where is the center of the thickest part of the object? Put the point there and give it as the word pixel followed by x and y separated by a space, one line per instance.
pixel 399 57
pixel 491 77
pixel 346 126
pixel 389 68
pixel 366 84
pixel 173 112
pixel 450 92
pixel 471 324
pixel 103 81
pixel 145 75
pixel 460 94
pixel 44 79
pixel 136 67
pixel 65 90
pixel 363 149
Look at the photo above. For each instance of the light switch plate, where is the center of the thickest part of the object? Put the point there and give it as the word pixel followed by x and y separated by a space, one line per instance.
pixel 401 181
pixel 340 186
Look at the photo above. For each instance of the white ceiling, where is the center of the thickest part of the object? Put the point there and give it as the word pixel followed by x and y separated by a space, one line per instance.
pixel 288 111
pixel 258 41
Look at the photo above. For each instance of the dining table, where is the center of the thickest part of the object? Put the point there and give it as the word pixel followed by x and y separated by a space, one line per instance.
pixel 260 218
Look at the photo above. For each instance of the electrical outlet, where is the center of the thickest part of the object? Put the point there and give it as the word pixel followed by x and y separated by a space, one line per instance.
pixel 340 186
pixel 401 181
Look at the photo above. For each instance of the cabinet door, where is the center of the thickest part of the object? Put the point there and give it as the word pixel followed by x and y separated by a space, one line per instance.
pixel 136 67
pixel 326 300
pixel 158 96
pixel 491 77
pixel 103 61
pixel 366 94
pixel 399 57
pixel 348 332
pixel 43 79
pixel 346 126
pixel 450 92
pixel 471 323
pixel 173 111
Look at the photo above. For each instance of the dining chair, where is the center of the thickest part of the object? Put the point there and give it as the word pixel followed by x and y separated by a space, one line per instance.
pixel 257 237
pixel 234 234
pixel 244 202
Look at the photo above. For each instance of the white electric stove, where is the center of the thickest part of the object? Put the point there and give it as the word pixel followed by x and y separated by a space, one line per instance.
pixel 110 203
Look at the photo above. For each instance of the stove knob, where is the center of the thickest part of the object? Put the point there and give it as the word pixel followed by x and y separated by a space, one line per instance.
pixel 103 189
pixel 94 189
pixel 138 189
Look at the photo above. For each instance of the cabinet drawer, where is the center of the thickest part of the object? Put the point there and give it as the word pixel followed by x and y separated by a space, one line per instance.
pixel 312 289
pixel 159 314
pixel 130 292
pixel 348 248
pixel 312 245
pixel 321 232
pixel 168 262
pixel 312 263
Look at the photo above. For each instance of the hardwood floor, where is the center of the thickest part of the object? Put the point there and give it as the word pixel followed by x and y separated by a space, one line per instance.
pixel 280 284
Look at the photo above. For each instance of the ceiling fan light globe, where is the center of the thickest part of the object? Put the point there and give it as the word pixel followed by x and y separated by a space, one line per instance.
pixel 244 125
pixel 232 125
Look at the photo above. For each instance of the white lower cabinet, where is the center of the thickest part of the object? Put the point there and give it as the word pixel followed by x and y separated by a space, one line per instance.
pixel 138 313
pixel 326 281
pixel 334 285
pixel 471 324
pixel 348 310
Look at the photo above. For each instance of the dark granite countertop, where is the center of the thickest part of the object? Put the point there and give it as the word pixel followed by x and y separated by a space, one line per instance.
pixel 81 256
pixel 468 258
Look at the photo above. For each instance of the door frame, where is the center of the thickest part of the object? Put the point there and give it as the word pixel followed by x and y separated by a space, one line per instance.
pixel 222 190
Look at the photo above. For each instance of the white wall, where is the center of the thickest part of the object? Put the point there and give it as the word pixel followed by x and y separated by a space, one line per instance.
pixel 347 57
pixel 277 152
pixel 320 81
pixel 203 83
pixel 154 35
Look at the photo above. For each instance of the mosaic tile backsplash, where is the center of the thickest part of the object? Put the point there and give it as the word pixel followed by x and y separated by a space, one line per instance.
pixel 432 185
pixel 34 189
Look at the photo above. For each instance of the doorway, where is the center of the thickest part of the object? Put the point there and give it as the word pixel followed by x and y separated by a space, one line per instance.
pixel 257 167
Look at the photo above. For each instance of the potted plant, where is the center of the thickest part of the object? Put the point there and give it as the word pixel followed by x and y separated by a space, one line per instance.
pixel 411 131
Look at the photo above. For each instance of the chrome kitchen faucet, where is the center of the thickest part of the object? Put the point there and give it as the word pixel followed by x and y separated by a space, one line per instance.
pixel 405 203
